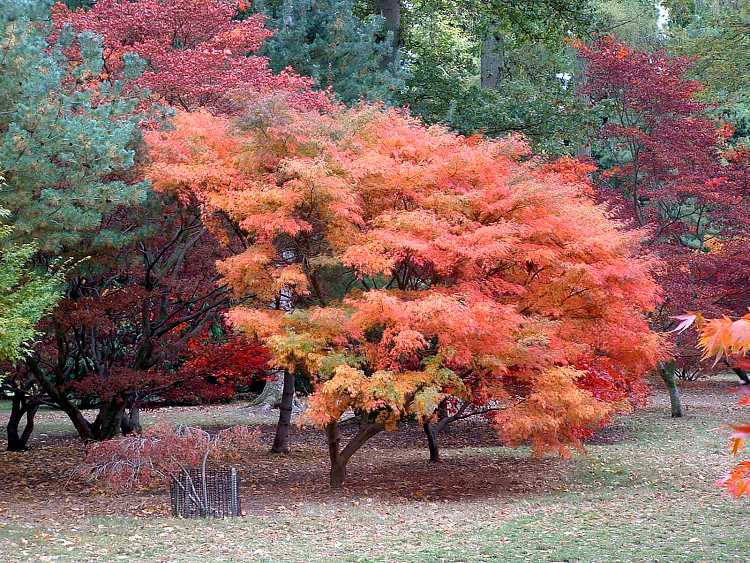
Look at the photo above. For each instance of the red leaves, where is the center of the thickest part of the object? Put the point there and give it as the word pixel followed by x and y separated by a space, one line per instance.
pixel 213 371
pixel 674 176
pixel 674 147
pixel 196 53
pixel 161 453
pixel 609 384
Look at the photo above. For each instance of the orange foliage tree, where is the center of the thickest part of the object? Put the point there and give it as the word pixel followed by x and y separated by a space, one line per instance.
pixel 418 265
pixel 730 339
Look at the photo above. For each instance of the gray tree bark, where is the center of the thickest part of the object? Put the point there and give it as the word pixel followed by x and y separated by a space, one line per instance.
pixel 270 397
pixel 492 60
pixel 391 12
pixel 666 371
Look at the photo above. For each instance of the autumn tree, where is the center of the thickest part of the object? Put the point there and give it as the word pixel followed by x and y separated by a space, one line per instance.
pixel 667 169
pixel 419 265
pixel 121 334
pixel 195 53
pixel 67 143
pixel 73 107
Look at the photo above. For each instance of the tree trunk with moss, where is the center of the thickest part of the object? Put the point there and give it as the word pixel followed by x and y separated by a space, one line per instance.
pixel 667 373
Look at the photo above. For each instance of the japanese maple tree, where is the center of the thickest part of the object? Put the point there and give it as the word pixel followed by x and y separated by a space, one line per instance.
pixel 667 168
pixel 137 330
pixel 419 265
pixel 196 54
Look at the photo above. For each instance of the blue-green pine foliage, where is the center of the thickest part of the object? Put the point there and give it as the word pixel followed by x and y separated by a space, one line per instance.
pixel 68 140
pixel 327 41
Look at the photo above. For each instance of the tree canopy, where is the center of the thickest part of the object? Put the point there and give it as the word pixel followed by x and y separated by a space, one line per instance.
pixel 468 270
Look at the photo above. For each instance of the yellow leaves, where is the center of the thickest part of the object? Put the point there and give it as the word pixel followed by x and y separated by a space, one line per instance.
pixel 368 259
pixel 736 443
pixel 714 245
pixel 740 436
pixel 390 395
pixel 255 323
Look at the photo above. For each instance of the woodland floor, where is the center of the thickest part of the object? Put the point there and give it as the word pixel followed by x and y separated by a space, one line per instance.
pixel 644 491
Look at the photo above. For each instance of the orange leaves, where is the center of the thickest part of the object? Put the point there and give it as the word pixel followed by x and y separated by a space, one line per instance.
pixel 418 264
pixel 719 338
pixel 722 337
pixel 552 414
pixel 737 481
pixel 255 323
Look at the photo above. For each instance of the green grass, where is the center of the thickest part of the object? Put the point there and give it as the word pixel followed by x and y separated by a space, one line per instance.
pixel 648 496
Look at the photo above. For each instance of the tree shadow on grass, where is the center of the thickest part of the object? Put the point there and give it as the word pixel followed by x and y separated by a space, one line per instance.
pixel 393 467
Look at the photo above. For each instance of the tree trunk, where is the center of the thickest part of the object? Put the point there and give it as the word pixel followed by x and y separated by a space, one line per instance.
pixel 432 441
pixel 492 60
pixel 82 426
pixel 108 421
pixel 666 371
pixel 272 393
pixel 338 467
pixel 742 374
pixel 131 422
pixel 391 12
pixel 20 407
pixel 281 440
pixel 339 458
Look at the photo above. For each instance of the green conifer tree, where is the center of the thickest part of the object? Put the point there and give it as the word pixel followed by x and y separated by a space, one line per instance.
pixel 326 40
pixel 67 138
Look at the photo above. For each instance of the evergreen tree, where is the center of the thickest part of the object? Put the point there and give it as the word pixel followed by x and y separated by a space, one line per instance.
pixel 325 40
pixel 67 136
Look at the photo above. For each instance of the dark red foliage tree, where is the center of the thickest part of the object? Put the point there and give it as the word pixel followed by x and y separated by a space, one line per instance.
pixel 196 54
pixel 668 169
pixel 137 330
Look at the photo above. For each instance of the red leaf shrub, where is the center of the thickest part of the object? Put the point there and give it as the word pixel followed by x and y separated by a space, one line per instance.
pixel 161 453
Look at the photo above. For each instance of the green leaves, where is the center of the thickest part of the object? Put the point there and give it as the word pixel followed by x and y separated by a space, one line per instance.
pixel 25 295
pixel 326 41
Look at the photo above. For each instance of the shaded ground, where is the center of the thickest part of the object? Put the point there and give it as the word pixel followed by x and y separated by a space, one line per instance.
pixel 644 491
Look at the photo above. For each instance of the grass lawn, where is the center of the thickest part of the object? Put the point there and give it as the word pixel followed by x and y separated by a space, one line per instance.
pixel 643 491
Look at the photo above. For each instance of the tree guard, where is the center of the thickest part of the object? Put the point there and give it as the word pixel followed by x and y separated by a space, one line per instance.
pixel 206 493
